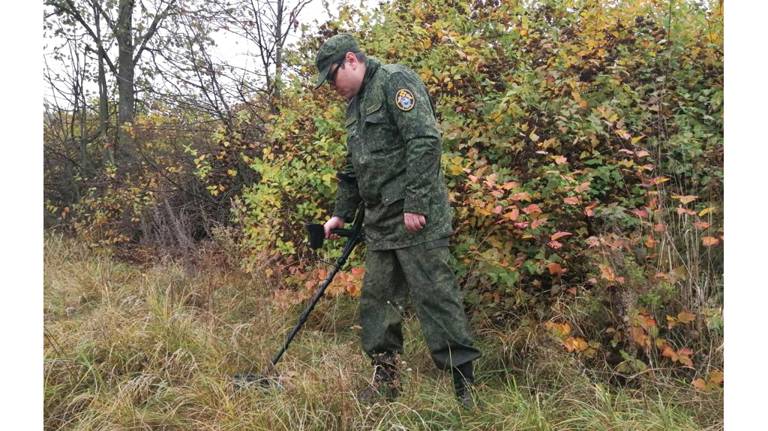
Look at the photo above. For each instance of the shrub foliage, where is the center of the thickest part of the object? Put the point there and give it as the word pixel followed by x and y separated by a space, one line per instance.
pixel 582 145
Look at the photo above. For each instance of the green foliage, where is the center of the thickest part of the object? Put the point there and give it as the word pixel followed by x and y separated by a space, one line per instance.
pixel 582 149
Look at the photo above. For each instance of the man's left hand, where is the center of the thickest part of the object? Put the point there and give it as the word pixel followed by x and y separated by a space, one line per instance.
pixel 414 222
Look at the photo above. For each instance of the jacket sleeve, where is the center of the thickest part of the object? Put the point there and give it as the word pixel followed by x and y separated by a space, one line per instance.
pixel 411 109
pixel 347 196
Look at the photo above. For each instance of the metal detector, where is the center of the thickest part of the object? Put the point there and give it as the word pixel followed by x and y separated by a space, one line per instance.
pixel 316 235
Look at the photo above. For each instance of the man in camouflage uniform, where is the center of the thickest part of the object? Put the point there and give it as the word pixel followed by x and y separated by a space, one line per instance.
pixel 393 166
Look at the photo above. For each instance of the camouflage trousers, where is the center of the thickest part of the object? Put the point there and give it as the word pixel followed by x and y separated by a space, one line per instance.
pixel 425 273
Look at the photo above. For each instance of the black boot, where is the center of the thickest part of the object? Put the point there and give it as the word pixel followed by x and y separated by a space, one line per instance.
pixel 386 379
pixel 463 380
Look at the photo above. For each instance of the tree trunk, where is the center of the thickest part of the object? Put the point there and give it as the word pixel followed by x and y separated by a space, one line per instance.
pixel 277 36
pixel 125 108
pixel 109 156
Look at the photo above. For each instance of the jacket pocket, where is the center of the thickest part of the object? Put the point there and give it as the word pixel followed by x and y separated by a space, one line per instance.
pixel 379 132
pixel 393 191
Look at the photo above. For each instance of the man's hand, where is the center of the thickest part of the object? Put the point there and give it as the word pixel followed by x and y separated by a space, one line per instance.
pixel 414 222
pixel 333 223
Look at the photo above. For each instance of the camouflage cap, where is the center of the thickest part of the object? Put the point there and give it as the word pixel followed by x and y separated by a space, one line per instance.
pixel 331 52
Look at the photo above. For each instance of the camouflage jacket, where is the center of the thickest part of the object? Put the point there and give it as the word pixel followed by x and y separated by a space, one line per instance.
pixel 393 160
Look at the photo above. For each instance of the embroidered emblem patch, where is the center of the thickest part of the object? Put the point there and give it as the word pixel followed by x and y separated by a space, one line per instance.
pixel 404 99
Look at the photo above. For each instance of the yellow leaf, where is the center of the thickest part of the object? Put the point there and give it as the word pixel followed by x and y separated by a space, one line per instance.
pixel 576 344
pixel 716 377
pixel 685 199
pixel 706 211
pixel 671 322
pixel 685 360
pixel 685 317
pixel 606 273
pixel 534 137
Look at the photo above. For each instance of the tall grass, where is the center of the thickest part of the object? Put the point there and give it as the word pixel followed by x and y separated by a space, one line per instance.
pixel 153 347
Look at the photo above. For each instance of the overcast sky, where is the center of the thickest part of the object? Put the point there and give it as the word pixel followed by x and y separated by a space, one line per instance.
pixel 230 48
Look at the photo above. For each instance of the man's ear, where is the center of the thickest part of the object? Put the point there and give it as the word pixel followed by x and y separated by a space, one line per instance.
pixel 351 58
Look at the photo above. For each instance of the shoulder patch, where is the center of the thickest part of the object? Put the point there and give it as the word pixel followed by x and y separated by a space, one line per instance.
pixel 404 99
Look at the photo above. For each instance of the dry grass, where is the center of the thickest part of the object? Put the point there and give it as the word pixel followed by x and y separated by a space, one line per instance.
pixel 153 347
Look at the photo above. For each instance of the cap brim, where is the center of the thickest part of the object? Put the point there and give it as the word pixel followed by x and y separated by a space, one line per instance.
pixel 322 77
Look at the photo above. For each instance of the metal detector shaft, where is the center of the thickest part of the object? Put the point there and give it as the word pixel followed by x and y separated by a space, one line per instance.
pixel 354 238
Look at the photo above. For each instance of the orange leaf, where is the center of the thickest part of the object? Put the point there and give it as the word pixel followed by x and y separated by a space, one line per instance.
pixel 699 384
pixel 659 227
pixel 532 209
pixel 555 268
pixel 353 290
pixel 512 215
pixel 497 209
pixel 538 222
pixel 577 344
pixel 681 211
pixel 709 241
pixel 557 235
pixel 669 352
pixel 509 185
pixel 583 187
pixel 560 160
pixel 638 336
pixel 521 196
pixel 571 200
pixel 589 209
pixel 701 225
pixel 554 244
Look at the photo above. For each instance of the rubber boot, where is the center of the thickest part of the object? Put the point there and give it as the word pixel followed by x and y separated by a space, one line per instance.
pixel 463 381
pixel 386 380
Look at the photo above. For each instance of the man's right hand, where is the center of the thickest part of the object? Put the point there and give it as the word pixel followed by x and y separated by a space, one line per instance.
pixel 334 223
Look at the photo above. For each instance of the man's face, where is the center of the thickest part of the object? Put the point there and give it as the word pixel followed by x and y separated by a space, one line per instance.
pixel 347 77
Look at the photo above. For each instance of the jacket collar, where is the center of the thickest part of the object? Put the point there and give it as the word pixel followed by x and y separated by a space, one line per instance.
pixel 371 67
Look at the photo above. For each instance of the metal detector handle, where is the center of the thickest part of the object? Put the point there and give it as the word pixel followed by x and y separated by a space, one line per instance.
pixel 354 238
pixel 346 233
